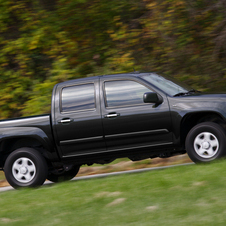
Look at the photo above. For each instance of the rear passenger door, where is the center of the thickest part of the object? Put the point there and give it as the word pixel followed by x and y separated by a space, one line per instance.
pixel 77 118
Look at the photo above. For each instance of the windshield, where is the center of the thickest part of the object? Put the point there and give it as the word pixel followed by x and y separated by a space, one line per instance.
pixel 168 86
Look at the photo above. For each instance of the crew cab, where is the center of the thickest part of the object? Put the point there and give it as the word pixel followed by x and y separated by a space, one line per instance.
pixel 98 119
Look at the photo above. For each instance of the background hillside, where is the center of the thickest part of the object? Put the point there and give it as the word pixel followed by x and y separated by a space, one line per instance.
pixel 43 42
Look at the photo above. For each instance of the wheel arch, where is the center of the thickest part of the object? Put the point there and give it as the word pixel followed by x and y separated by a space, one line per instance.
pixel 192 119
pixel 8 145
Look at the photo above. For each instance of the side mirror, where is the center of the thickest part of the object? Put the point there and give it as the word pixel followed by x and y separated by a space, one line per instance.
pixel 153 98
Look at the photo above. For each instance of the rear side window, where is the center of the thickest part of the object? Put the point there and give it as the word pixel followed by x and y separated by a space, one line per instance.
pixel 124 93
pixel 78 98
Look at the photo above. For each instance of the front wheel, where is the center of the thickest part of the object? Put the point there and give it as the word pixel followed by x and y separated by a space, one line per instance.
pixel 25 167
pixel 206 142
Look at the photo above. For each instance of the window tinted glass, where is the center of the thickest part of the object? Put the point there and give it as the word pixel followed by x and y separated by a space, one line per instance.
pixel 123 93
pixel 77 98
pixel 168 86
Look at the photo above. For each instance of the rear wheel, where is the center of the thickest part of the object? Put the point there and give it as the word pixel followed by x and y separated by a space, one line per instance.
pixel 25 167
pixel 63 176
pixel 206 142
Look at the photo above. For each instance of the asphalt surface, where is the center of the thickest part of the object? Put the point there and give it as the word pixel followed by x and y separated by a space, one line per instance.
pixel 8 188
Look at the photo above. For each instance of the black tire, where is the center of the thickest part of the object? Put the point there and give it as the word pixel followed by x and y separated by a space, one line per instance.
pixel 206 142
pixel 65 176
pixel 25 167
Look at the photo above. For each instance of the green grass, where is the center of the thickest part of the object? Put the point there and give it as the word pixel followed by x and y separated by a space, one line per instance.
pixel 184 195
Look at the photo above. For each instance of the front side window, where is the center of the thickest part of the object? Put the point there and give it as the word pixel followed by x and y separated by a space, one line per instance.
pixel 78 98
pixel 124 93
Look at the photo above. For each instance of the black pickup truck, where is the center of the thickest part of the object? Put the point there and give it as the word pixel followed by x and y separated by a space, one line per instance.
pixel 98 119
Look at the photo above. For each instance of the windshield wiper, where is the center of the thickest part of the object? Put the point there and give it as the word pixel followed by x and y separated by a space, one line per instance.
pixel 187 93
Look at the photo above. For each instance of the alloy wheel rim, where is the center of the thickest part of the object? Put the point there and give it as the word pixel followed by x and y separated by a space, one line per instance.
pixel 206 145
pixel 24 170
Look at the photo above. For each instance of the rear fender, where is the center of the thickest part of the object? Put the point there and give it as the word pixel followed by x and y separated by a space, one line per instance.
pixel 30 132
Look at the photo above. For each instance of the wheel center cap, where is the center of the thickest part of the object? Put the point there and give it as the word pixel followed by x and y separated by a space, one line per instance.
pixel 23 170
pixel 205 145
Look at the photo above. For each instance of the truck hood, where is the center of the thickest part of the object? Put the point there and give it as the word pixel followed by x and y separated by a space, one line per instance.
pixel 201 96
pixel 198 103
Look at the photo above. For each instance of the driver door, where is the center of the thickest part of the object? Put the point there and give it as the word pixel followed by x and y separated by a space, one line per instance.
pixel 128 122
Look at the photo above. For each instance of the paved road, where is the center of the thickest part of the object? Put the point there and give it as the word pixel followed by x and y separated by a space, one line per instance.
pixel 109 174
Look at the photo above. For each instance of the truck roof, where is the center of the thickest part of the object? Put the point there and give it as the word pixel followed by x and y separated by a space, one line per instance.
pixel 130 74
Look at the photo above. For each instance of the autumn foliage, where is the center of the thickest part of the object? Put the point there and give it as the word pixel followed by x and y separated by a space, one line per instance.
pixel 44 42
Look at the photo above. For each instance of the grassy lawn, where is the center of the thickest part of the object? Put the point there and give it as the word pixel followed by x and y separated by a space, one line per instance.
pixel 184 195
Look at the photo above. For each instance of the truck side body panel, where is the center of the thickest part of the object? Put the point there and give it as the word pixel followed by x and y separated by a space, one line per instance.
pixel 136 126
pixel 78 125
pixel 35 127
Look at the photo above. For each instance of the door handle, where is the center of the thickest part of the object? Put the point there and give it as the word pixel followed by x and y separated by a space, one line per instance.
pixel 66 120
pixel 112 115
